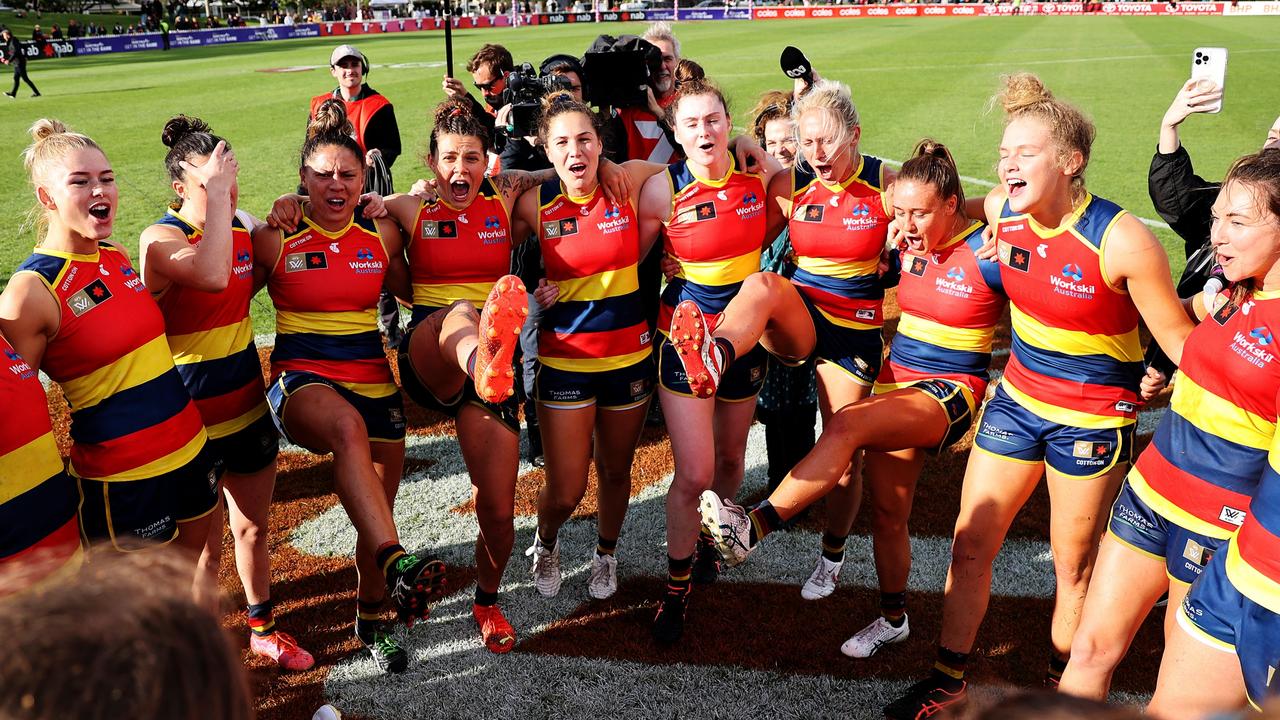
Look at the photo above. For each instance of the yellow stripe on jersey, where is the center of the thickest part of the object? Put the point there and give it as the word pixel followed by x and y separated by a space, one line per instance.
pixel 1124 348
pixel 160 466
pixel 28 466
pixel 953 338
pixel 1253 584
pixel 1219 416
pixel 444 295
pixel 147 362
pixel 371 390
pixel 616 362
pixel 607 284
pixel 845 322
pixel 212 344
pixel 327 323
pixel 1170 511
pixel 233 426
pixel 1063 416
pixel 836 269
pixel 721 272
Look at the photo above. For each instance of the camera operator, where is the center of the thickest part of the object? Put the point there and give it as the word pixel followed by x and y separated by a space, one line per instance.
pixel 1183 198
pixel 522 152
pixel 488 68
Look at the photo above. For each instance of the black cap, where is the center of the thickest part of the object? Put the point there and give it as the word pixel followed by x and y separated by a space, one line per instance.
pixel 560 62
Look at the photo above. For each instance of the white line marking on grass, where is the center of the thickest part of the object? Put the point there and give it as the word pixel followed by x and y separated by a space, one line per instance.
pixel 988 184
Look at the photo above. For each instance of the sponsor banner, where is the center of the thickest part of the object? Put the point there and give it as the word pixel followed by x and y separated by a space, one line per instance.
pixel 1252 8
pixel 366 27
pixel 48 49
pixel 189 38
pixel 1026 8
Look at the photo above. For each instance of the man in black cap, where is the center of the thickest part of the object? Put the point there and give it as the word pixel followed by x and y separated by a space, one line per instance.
pixel 11 55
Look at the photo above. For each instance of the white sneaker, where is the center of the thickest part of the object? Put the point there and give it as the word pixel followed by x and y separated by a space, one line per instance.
pixel 871 638
pixel 604 576
pixel 728 525
pixel 823 580
pixel 545 568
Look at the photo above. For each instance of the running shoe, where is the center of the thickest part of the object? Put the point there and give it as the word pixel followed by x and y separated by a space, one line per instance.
pixel 604 576
pixel 696 349
pixel 728 525
pixel 668 624
pixel 545 568
pixel 282 648
pixel 412 582
pixel 495 631
pixel 385 649
pixel 822 582
pixel 706 561
pixel 867 641
pixel 925 699
pixel 498 337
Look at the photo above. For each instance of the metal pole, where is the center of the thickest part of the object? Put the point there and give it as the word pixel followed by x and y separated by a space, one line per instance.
pixel 448 37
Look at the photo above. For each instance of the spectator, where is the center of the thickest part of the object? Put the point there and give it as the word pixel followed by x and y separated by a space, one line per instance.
pixel 37 35
pixel 11 54
pixel 55 32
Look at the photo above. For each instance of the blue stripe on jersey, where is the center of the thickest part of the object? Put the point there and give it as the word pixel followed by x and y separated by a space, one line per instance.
pixel 212 378
pixel 990 269
pixel 36 513
pixel 46 266
pixel 313 346
pixel 710 299
pixel 1231 465
pixel 1266 501
pixel 861 287
pixel 927 357
pixel 128 411
pixel 585 316
pixel 1090 369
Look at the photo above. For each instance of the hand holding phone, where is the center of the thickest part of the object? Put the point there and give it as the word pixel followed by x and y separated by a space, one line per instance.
pixel 1209 73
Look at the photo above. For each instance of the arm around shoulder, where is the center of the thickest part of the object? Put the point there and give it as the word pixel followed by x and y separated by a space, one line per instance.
pixel 1135 261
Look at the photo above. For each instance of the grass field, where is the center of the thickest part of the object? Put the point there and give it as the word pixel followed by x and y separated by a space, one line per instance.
pixel 910 78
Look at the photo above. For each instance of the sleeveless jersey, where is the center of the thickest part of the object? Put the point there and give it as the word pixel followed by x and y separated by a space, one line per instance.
pixel 1222 417
pixel 1253 554
pixel 715 231
pixel 325 286
pixel 951 303
pixel 131 415
pixel 458 254
pixel 838 233
pixel 1075 358
pixel 38 500
pixel 590 248
pixel 211 337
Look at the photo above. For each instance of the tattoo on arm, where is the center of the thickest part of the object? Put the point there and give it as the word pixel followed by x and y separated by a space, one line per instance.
pixel 513 183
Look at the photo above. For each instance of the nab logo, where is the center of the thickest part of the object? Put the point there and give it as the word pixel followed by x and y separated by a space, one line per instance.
pixel 568 226
pixel 918 266
pixel 364 254
pixel 1072 272
pixel 749 198
pixel 492 222
pixel 1262 335
pixel 812 213
pixel 955 275
pixel 705 211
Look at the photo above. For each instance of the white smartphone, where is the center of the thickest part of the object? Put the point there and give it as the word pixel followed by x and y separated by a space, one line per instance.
pixel 1210 64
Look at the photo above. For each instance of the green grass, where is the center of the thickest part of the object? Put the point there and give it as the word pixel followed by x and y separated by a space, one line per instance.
pixel 911 78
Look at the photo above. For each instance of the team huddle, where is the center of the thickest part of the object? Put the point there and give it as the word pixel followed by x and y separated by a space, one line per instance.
pixel 172 425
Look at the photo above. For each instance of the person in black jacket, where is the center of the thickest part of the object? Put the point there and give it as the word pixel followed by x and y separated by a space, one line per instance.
pixel 1183 198
pixel 11 55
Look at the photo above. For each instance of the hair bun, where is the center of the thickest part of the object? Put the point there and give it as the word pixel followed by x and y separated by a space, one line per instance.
pixel 1022 90
pixel 44 128
pixel 453 107
pixel 179 127
pixel 330 119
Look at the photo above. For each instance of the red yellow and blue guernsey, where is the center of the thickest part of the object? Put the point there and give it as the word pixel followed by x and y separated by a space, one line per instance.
pixel 590 248
pixel 1253 554
pixel 325 287
pixel 211 337
pixel 838 233
pixel 37 499
pixel 458 254
pixel 716 232
pixel 131 415
pixel 951 303
pixel 1209 450
pixel 1076 359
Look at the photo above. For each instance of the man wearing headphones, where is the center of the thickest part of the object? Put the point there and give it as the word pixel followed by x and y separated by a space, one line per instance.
pixel 371 114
